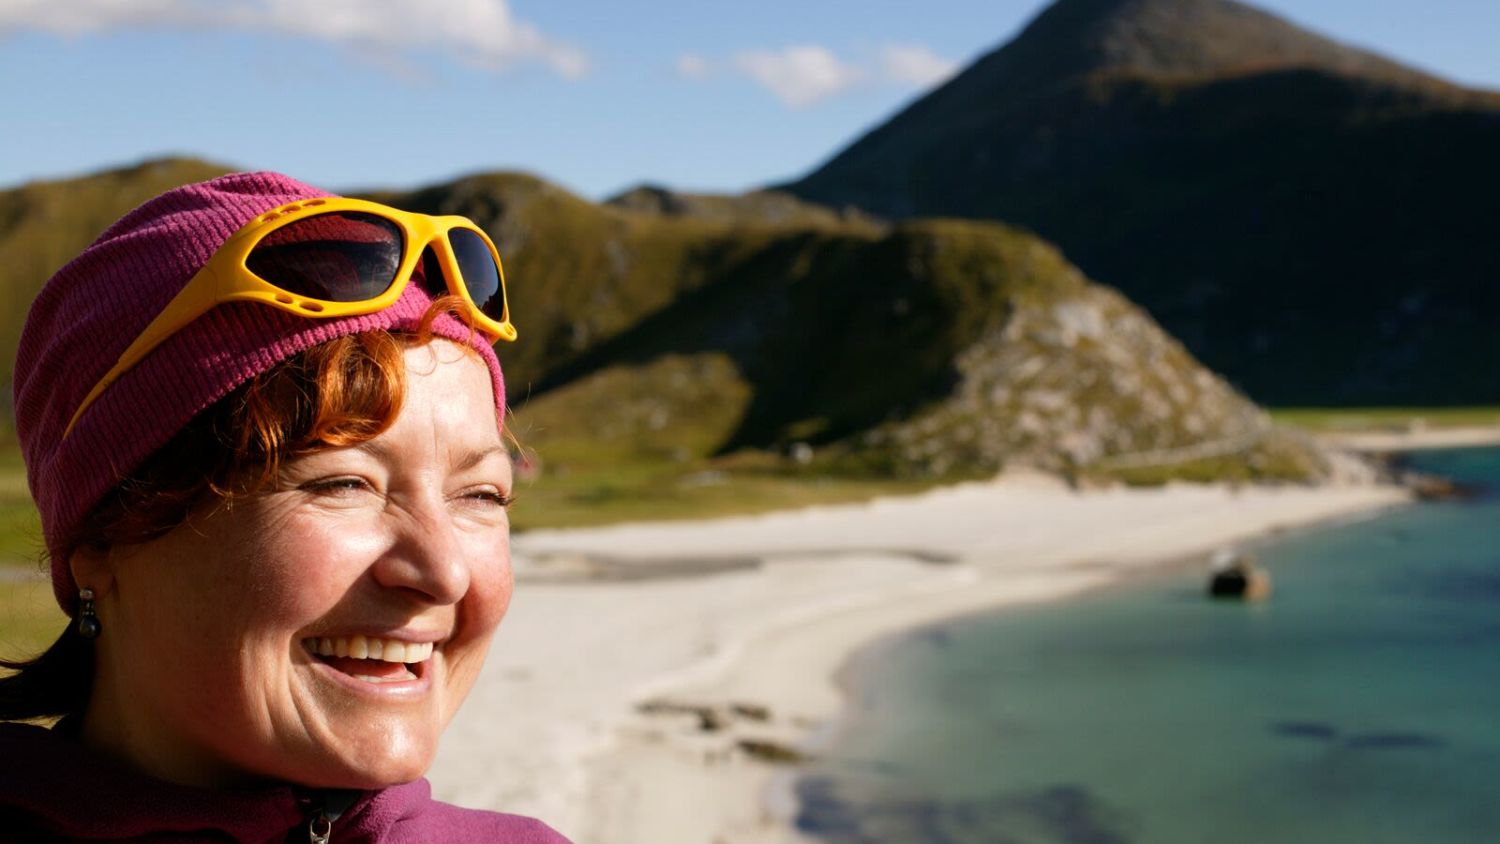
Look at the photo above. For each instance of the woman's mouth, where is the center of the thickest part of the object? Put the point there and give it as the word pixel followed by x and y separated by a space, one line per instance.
pixel 371 659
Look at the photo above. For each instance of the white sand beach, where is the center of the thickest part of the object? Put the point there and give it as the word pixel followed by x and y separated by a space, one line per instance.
pixel 1412 439
pixel 761 612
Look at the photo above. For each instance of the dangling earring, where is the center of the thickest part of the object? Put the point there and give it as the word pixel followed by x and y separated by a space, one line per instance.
pixel 88 623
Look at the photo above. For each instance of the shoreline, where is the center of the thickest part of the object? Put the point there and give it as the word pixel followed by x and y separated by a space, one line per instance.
pixel 848 677
pixel 755 653
pixel 1415 439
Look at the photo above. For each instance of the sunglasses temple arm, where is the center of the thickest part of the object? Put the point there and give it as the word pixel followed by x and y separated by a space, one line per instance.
pixel 192 302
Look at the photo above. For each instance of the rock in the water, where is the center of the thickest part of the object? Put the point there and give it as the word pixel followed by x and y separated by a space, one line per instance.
pixel 1239 576
pixel 1436 488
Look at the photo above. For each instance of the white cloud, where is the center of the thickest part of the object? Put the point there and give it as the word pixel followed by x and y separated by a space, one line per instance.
pixel 800 75
pixel 803 75
pixel 482 33
pixel 693 66
pixel 915 64
pixel 80 16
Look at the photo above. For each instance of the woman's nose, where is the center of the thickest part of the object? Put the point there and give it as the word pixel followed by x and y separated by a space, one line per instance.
pixel 426 556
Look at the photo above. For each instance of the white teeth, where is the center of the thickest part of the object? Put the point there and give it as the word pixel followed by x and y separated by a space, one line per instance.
pixel 360 647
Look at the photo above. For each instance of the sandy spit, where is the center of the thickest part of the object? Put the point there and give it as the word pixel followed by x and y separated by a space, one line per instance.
pixel 760 613
pixel 1416 439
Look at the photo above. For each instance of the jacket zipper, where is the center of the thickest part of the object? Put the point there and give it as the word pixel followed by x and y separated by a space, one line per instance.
pixel 327 807
pixel 320 829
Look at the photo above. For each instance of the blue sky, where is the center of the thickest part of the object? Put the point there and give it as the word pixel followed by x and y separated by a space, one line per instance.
pixel 597 96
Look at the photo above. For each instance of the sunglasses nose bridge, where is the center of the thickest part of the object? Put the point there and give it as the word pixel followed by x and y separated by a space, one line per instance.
pixel 439 265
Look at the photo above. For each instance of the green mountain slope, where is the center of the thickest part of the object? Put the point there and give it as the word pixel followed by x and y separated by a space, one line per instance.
pixel 939 348
pixel 1312 220
pixel 927 349
pixel 752 207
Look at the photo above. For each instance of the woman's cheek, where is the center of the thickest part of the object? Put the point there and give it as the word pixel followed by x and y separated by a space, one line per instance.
pixel 482 609
pixel 494 582
pixel 314 565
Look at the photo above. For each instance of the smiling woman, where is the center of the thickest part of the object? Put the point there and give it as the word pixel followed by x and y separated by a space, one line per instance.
pixel 283 536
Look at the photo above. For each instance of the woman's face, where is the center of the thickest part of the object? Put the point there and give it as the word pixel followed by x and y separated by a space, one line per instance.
pixel 213 665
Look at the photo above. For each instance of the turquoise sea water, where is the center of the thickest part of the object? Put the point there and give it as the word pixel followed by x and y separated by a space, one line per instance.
pixel 1360 704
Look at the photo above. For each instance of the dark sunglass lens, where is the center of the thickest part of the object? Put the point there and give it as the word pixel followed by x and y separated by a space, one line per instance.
pixel 341 256
pixel 481 273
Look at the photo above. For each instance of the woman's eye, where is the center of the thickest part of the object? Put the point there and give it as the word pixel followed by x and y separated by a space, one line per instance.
pixel 493 497
pixel 337 486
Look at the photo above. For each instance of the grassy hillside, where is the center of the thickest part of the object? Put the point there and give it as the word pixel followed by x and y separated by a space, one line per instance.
pixel 682 340
pixel 752 207
pixel 936 349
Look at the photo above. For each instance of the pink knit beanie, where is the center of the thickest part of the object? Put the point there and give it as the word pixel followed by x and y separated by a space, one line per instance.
pixel 96 306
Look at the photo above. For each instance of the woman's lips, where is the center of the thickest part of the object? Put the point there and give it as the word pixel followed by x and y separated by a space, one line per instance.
pixel 370 658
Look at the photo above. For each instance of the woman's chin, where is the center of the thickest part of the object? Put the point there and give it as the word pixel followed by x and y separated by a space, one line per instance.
pixel 371 768
pixel 359 748
pixel 364 735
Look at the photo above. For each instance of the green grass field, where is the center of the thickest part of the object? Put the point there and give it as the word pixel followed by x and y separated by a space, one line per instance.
pixel 646 493
pixel 29 620
pixel 1316 419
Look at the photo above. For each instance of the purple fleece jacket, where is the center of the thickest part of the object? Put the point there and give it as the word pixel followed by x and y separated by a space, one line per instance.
pixel 52 788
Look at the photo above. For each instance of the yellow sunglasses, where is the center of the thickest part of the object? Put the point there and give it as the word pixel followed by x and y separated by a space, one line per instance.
pixel 333 257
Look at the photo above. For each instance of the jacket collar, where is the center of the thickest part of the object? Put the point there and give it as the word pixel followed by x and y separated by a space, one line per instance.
pixel 60 786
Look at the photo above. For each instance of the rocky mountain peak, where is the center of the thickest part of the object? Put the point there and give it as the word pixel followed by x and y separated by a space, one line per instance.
pixel 1194 39
pixel 1076 41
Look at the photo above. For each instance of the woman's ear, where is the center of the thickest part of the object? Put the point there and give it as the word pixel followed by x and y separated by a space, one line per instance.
pixel 92 569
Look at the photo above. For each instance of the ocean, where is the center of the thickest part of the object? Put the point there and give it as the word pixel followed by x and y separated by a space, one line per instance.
pixel 1361 703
